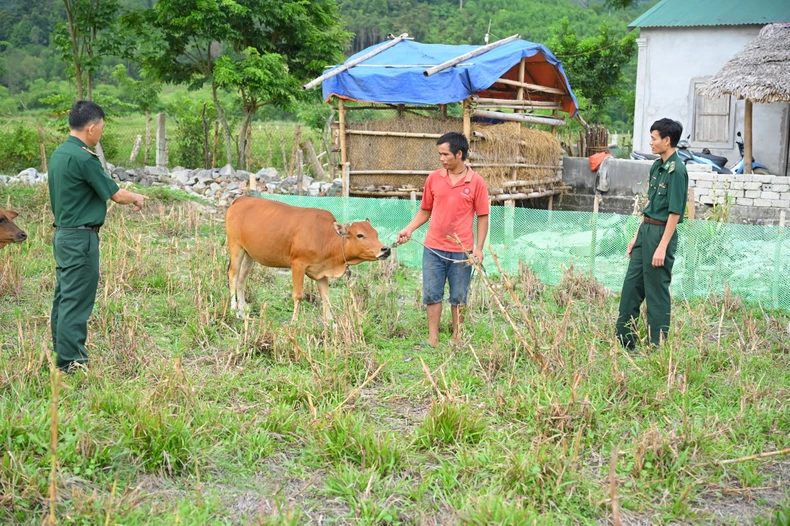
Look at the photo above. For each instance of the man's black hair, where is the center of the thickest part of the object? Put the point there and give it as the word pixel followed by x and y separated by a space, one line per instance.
pixel 457 143
pixel 83 113
pixel 668 128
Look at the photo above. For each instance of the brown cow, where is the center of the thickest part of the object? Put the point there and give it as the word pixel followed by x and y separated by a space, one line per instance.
pixel 307 240
pixel 9 232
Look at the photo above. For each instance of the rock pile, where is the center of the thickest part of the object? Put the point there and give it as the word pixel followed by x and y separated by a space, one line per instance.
pixel 219 185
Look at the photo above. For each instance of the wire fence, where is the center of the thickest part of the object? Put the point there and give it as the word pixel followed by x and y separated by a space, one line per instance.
pixel 751 261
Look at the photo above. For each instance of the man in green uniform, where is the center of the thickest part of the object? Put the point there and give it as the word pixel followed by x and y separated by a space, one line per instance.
pixel 78 192
pixel 652 251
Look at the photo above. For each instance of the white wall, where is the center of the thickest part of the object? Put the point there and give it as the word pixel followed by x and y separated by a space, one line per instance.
pixel 670 59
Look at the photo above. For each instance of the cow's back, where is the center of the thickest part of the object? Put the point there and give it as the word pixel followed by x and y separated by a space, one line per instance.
pixel 275 233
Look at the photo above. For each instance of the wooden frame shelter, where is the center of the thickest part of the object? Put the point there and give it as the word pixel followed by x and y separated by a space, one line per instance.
pixel 529 87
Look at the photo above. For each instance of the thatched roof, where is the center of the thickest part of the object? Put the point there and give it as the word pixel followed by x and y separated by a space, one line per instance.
pixel 760 72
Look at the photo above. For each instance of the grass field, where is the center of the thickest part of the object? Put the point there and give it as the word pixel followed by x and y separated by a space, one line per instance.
pixel 188 415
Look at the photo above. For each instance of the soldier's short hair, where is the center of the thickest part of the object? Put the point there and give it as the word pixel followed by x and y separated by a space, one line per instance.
pixel 83 113
pixel 668 128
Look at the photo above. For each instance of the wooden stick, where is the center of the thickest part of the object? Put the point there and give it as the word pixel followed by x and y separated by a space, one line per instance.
pixel 537 103
pixel 512 165
pixel 352 63
pixel 477 52
pixel 312 158
pixel 341 118
pixel 53 444
pixel 136 148
pixel 373 133
pixel 519 109
pixel 530 87
pixel 299 172
pixel 518 118
pixel 747 137
pixel 506 197
pixel 467 119
pixel 509 184
pixel 390 172
pixel 366 193
pixel 613 486
pixel 753 457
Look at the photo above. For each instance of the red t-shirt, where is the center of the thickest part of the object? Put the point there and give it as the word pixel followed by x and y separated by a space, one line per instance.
pixel 453 209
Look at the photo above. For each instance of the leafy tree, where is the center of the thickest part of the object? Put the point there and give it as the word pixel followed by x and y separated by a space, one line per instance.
pixel 260 80
pixel 193 34
pixel 594 65
pixel 89 33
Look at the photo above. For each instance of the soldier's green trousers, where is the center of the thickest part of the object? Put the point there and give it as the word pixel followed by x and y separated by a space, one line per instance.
pixel 77 273
pixel 643 282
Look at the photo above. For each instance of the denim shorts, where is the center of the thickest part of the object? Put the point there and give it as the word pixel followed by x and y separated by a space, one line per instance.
pixel 437 271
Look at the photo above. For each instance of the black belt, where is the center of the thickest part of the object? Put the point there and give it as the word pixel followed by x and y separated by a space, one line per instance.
pixel 651 221
pixel 81 227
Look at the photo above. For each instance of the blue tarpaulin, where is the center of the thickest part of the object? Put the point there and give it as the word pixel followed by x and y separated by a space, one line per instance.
pixel 395 76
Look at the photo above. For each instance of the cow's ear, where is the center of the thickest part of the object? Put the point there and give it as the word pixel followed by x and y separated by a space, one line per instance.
pixel 340 229
pixel 368 220
pixel 11 214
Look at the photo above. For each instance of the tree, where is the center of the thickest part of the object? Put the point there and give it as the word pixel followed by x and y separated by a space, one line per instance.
pixel 260 80
pixel 88 34
pixel 594 65
pixel 192 35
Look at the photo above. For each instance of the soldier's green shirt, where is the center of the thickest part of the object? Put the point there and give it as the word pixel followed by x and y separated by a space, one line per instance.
pixel 668 189
pixel 78 185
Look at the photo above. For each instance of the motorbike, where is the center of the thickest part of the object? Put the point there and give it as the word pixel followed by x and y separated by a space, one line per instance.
pixel 756 167
pixel 716 162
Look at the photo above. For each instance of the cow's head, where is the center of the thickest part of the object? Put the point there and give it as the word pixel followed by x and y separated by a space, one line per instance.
pixel 9 232
pixel 361 242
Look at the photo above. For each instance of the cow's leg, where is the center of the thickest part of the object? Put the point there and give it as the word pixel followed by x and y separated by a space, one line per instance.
pixel 323 290
pixel 245 269
pixel 297 272
pixel 234 267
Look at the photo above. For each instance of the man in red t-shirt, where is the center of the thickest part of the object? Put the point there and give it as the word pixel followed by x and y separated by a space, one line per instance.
pixel 452 197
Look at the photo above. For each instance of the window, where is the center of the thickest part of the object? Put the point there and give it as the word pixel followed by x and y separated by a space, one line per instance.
pixel 712 121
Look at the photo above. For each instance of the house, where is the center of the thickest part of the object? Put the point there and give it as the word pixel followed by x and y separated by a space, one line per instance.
pixel 683 44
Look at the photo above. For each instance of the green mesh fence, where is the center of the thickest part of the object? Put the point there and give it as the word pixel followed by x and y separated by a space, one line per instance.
pixel 752 261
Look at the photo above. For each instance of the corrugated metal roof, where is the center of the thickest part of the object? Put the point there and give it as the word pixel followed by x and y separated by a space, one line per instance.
pixel 689 13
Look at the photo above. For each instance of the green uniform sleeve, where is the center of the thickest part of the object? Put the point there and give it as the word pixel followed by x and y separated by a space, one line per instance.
pixel 678 190
pixel 96 177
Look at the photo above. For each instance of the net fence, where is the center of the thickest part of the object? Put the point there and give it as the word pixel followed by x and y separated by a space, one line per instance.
pixel 752 261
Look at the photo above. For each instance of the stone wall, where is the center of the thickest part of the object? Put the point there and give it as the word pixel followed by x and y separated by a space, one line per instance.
pixel 751 198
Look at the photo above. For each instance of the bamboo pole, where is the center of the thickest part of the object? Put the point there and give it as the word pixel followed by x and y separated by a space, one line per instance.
pixel 413 135
pixel 537 103
pixel 509 184
pixel 530 87
pixel 391 193
pixel 747 139
pixel 312 158
pixel 390 172
pixel 352 63
pixel 510 213
pixel 531 195
pixel 519 109
pixel 518 118
pixel 341 118
pixel 477 52
pixel 467 119
pixel 510 165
